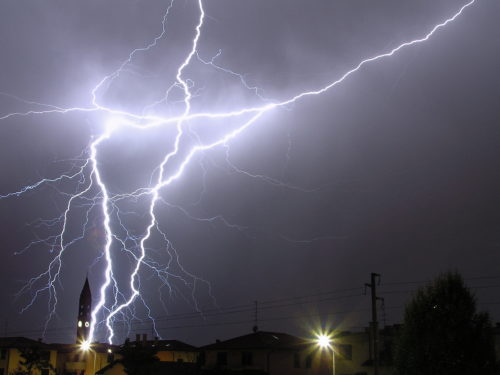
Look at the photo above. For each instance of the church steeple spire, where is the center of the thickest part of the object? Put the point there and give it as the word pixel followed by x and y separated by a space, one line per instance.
pixel 84 313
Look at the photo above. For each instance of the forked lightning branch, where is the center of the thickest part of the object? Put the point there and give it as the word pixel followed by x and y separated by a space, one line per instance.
pixel 115 301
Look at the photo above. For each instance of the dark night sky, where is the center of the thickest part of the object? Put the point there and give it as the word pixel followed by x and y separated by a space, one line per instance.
pixel 402 158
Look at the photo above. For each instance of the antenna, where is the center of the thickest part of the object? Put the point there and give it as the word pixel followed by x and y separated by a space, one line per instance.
pixel 256 317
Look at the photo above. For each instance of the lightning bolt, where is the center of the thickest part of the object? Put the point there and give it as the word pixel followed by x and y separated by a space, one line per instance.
pixel 92 193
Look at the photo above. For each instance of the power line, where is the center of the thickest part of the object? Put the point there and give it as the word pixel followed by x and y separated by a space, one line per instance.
pixel 214 313
pixel 429 281
pixel 405 291
pixel 270 305
pixel 227 323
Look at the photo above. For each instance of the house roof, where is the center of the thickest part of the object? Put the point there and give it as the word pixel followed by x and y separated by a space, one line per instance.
pixel 21 342
pixel 168 345
pixel 161 345
pixel 174 345
pixel 260 340
pixel 70 348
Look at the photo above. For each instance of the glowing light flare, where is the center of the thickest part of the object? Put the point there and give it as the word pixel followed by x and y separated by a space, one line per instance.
pixel 324 341
pixel 85 345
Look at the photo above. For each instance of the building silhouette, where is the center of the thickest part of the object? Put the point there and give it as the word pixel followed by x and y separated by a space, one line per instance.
pixel 84 313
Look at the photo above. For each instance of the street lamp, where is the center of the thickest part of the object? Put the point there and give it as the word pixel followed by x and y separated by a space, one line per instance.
pixel 85 345
pixel 325 342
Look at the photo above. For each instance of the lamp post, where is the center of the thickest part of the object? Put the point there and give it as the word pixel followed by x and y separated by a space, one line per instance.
pixel 86 347
pixel 325 342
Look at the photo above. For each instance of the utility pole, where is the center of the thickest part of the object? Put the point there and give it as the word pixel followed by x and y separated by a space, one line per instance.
pixel 256 317
pixel 374 323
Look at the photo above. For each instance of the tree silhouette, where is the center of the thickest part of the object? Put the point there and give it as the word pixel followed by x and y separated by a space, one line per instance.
pixel 138 358
pixel 33 358
pixel 443 334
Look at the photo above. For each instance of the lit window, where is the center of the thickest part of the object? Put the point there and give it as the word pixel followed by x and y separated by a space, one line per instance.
pixel 79 323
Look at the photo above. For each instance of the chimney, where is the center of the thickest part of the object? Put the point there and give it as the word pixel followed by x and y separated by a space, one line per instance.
pixel 144 337
pixel 137 338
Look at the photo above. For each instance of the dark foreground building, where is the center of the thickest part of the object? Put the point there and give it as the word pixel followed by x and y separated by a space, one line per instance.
pixel 272 353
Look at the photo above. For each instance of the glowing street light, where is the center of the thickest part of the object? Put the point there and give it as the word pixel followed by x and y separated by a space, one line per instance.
pixel 325 342
pixel 85 345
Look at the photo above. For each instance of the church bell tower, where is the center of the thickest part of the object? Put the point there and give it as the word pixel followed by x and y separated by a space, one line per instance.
pixel 84 314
